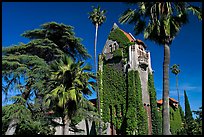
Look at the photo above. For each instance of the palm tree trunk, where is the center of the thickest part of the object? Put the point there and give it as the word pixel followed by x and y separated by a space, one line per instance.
pixel 165 112
pixel 95 43
pixel 63 128
pixel 177 89
pixel 97 91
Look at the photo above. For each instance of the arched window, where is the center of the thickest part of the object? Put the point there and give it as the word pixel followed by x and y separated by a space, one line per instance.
pixel 111 48
pixel 115 46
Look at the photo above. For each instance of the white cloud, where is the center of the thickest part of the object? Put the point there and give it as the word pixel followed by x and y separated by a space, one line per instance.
pixel 173 90
pixel 191 88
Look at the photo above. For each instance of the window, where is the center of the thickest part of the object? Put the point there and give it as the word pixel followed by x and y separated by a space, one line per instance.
pixel 111 48
pixel 132 48
pixel 115 46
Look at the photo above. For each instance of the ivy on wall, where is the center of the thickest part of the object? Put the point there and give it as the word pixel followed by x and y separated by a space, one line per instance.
pixel 119 36
pixel 156 120
pixel 132 127
pixel 175 121
pixel 121 92
pixel 122 40
pixel 140 110
pixel 118 53
pixel 123 103
pixel 114 95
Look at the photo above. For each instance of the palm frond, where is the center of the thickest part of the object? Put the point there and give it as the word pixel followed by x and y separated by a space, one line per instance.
pixel 127 16
pixel 196 11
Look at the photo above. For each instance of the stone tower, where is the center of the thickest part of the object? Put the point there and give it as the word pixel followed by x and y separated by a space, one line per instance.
pixel 124 53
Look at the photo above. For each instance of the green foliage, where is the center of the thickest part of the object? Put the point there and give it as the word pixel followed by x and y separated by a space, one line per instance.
pixel 177 126
pixel 123 101
pixel 199 116
pixel 118 53
pixel 68 81
pixel 181 113
pixel 136 114
pixel 15 111
pixel 114 95
pixel 85 110
pixel 140 111
pixel 123 41
pixel 97 16
pixel 132 121
pixel 50 42
pixel 31 62
pixel 76 119
pixel 30 121
pixel 150 19
pixel 191 126
pixel 198 122
pixel 156 120
pixel 34 127
pixel 32 69
pixel 119 36
pixel 175 121
pixel 188 113
pixel 59 36
pixel 175 69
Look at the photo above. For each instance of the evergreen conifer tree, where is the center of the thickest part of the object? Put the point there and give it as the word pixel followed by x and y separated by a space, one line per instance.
pixel 156 121
pixel 188 115
pixel 30 61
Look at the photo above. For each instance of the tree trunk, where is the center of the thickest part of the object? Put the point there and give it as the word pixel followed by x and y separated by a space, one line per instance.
pixel 95 43
pixel 13 123
pixel 165 112
pixel 63 128
pixel 12 127
pixel 87 126
pixel 177 89
pixel 97 91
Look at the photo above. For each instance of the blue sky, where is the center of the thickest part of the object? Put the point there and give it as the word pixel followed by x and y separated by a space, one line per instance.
pixel 186 49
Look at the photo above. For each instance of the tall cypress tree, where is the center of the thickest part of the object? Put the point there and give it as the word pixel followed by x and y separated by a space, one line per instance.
pixel 188 115
pixel 156 121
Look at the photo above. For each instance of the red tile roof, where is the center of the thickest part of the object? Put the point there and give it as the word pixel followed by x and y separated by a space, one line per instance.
pixel 128 36
pixel 172 99
pixel 131 39
pixel 161 101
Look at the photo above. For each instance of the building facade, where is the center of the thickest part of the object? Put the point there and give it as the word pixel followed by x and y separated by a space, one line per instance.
pixel 122 55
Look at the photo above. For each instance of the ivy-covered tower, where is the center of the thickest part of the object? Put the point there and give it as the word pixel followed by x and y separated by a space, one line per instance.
pixel 124 65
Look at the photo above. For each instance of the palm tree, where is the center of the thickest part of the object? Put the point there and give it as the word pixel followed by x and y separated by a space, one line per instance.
pixel 175 70
pixel 30 61
pixel 97 17
pixel 161 22
pixel 68 82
